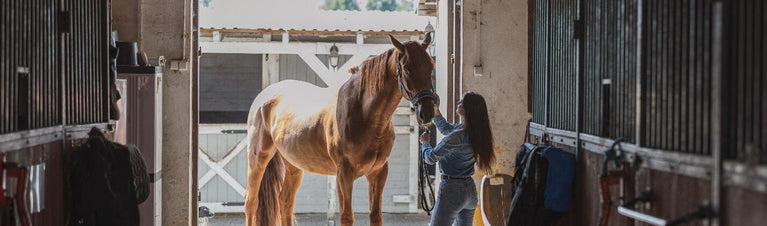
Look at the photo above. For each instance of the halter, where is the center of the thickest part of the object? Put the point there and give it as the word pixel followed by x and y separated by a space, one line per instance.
pixel 427 93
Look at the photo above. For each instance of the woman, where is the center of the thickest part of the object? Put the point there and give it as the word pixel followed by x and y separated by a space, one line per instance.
pixel 465 144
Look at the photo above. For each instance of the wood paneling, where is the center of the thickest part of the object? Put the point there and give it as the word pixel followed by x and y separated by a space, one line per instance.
pixel 229 82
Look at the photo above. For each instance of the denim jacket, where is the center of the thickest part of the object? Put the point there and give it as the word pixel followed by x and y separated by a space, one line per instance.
pixel 454 152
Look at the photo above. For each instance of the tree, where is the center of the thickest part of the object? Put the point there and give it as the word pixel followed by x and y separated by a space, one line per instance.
pixel 205 3
pixel 341 5
pixel 382 5
pixel 405 5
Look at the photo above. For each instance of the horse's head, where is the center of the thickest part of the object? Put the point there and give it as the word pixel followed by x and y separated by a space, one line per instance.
pixel 414 68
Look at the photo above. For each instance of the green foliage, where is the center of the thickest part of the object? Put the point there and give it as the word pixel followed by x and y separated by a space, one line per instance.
pixel 390 5
pixel 405 5
pixel 341 5
pixel 205 3
pixel 382 5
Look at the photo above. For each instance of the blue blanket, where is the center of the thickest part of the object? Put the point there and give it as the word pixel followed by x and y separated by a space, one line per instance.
pixel 559 181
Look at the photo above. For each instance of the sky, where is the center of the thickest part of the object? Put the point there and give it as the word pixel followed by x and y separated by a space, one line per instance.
pixel 300 5
pixel 302 14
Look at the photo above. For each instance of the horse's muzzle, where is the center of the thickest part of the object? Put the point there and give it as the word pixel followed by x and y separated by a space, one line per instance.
pixel 425 111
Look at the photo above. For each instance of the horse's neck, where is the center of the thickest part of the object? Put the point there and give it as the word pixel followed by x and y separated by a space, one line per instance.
pixel 366 114
pixel 381 106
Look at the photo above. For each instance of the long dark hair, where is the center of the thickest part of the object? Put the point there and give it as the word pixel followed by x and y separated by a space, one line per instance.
pixel 477 127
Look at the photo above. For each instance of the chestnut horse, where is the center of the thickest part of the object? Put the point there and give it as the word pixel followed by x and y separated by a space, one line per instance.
pixel 296 127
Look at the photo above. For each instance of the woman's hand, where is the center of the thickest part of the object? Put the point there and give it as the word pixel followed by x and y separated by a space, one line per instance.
pixel 425 136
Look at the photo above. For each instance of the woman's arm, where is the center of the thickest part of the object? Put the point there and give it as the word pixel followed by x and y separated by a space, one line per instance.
pixel 443 126
pixel 433 154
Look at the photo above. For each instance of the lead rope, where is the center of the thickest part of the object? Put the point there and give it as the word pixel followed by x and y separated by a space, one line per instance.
pixel 423 176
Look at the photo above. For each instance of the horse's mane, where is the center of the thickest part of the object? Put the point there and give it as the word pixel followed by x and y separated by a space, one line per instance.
pixel 373 72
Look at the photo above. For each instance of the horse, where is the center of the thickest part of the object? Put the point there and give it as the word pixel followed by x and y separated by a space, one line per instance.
pixel 296 127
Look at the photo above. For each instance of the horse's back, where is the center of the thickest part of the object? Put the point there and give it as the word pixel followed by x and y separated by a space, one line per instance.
pixel 296 121
pixel 300 96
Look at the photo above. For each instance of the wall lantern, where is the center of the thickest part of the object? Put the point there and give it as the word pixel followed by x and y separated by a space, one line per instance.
pixel 334 56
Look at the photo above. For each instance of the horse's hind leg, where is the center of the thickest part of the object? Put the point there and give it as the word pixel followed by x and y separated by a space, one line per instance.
pixel 293 178
pixel 376 182
pixel 260 151
pixel 257 162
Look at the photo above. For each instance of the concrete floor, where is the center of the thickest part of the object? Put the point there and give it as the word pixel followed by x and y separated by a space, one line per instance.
pixel 319 220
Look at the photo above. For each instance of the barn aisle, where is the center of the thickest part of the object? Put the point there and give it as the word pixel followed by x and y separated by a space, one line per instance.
pixel 319 219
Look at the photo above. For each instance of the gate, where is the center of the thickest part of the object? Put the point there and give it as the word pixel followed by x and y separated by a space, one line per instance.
pixel 649 72
pixel 53 89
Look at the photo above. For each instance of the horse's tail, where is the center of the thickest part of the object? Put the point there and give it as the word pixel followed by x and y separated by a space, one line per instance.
pixel 269 193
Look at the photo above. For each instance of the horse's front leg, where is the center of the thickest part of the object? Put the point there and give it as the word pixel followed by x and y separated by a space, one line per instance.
pixel 376 182
pixel 345 182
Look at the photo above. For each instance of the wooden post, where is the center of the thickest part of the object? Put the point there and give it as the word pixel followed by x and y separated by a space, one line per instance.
pixel 332 201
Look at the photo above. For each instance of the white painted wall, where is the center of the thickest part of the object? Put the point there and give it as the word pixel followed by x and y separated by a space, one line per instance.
pixel 495 37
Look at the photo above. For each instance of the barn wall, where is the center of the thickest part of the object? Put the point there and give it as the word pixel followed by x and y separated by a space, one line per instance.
pixel 229 82
pixel 499 45
pixel 494 36
pixel 228 85
pixel 165 29
pixel 292 67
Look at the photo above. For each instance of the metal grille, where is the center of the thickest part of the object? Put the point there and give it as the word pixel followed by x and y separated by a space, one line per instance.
pixel 555 94
pixel 85 62
pixel 30 81
pixel 562 74
pixel 609 73
pixel 676 62
pixel 745 103
pixel 676 74
pixel 41 45
pixel 540 61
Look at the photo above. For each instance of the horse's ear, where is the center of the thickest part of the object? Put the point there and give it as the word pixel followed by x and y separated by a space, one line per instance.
pixel 426 41
pixel 397 44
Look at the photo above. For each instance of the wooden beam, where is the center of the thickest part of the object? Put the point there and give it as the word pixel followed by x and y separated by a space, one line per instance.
pixel 307 52
pixel 329 77
pixel 360 38
pixel 293 32
pixel 291 48
pixel 218 168
pixel 285 37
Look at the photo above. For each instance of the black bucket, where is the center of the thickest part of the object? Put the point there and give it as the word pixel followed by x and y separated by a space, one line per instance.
pixel 127 53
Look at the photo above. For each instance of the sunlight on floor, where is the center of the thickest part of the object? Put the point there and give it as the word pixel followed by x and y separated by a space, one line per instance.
pixel 319 219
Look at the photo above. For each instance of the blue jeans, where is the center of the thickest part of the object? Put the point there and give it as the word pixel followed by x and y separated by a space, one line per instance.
pixel 456 202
